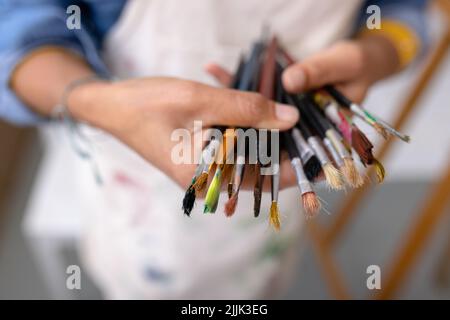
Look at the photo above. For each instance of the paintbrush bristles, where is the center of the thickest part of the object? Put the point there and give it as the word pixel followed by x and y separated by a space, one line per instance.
pixel 362 145
pixel 189 200
pixel 379 170
pixel 311 204
pixel 351 174
pixel 200 183
pixel 230 205
pixel 212 195
pixel 333 177
pixel 274 216
pixel 382 131
pixel 312 168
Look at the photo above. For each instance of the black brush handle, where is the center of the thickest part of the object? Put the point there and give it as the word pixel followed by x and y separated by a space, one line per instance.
pixel 289 144
pixel 338 96
pixel 309 117
pixel 318 116
pixel 251 69
pixel 238 74
pixel 304 129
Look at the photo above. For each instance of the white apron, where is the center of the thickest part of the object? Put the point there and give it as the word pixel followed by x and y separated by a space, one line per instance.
pixel 138 244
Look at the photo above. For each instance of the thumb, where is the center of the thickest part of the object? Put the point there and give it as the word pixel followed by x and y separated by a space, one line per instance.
pixel 340 63
pixel 247 109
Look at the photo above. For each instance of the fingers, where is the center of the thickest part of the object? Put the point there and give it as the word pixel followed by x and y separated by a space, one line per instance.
pixel 340 63
pixel 219 73
pixel 245 109
pixel 355 91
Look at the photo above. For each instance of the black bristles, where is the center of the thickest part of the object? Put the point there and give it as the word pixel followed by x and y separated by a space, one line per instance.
pixel 312 168
pixel 188 201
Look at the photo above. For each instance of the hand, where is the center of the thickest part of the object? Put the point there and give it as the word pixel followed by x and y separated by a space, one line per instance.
pixel 143 113
pixel 352 65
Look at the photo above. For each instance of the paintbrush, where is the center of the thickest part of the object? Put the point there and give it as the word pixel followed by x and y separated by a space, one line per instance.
pixel 266 89
pixel 320 161
pixel 247 82
pixel 349 169
pixel 309 198
pixel 380 125
pixel 210 149
pixel 312 165
pixel 213 193
pixel 238 175
pixel 358 140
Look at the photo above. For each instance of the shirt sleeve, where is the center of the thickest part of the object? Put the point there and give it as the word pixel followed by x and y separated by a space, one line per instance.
pixel 411 13
pixel 28 24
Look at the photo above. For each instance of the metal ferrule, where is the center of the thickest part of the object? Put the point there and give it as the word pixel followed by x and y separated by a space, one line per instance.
pixel 238 174
pixel 333 152
pixel 209 153
pixel 303 183
pixel 275 183
pixel 357 110
pixel 320 152
pixel 389 128
pixel 199 169
pixel 336 140
pixel 306 152
pixel 332 112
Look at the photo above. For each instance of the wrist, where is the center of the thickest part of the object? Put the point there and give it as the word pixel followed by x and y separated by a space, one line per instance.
pixel 86 103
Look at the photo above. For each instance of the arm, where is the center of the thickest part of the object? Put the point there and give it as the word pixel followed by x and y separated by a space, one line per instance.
pixel 143 112
pixel 29 25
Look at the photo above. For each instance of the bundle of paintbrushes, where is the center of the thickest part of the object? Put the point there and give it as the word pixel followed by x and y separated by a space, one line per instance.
pixel 323 146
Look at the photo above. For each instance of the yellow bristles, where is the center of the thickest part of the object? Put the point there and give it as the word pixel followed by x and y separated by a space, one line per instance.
pixel 333 177
pixel 200 183
pixel 212 195
pixel 379 170
pixel 274 216
pixel 351 174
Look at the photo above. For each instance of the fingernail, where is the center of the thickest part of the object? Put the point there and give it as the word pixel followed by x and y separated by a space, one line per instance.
pixel 286 112
pixel 294 79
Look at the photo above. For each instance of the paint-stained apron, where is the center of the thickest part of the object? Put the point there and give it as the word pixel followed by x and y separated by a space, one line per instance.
pixel 138 244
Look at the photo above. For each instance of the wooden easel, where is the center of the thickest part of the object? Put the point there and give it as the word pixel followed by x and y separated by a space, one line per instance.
pixel 324 239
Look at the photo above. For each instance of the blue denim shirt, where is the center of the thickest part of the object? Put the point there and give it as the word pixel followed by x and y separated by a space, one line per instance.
pixel 27 24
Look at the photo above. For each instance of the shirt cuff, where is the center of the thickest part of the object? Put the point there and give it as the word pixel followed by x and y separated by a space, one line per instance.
pixel 12 109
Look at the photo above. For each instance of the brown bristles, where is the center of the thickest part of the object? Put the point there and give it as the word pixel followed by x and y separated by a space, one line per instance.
pixel 200 183
pixel 362 145
pixel 333 177
pixel 274 217
pixel 311 204
pixel 230 205
pixel 382 131
pixel 351 174
pixel 257 191
pixel 379 170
